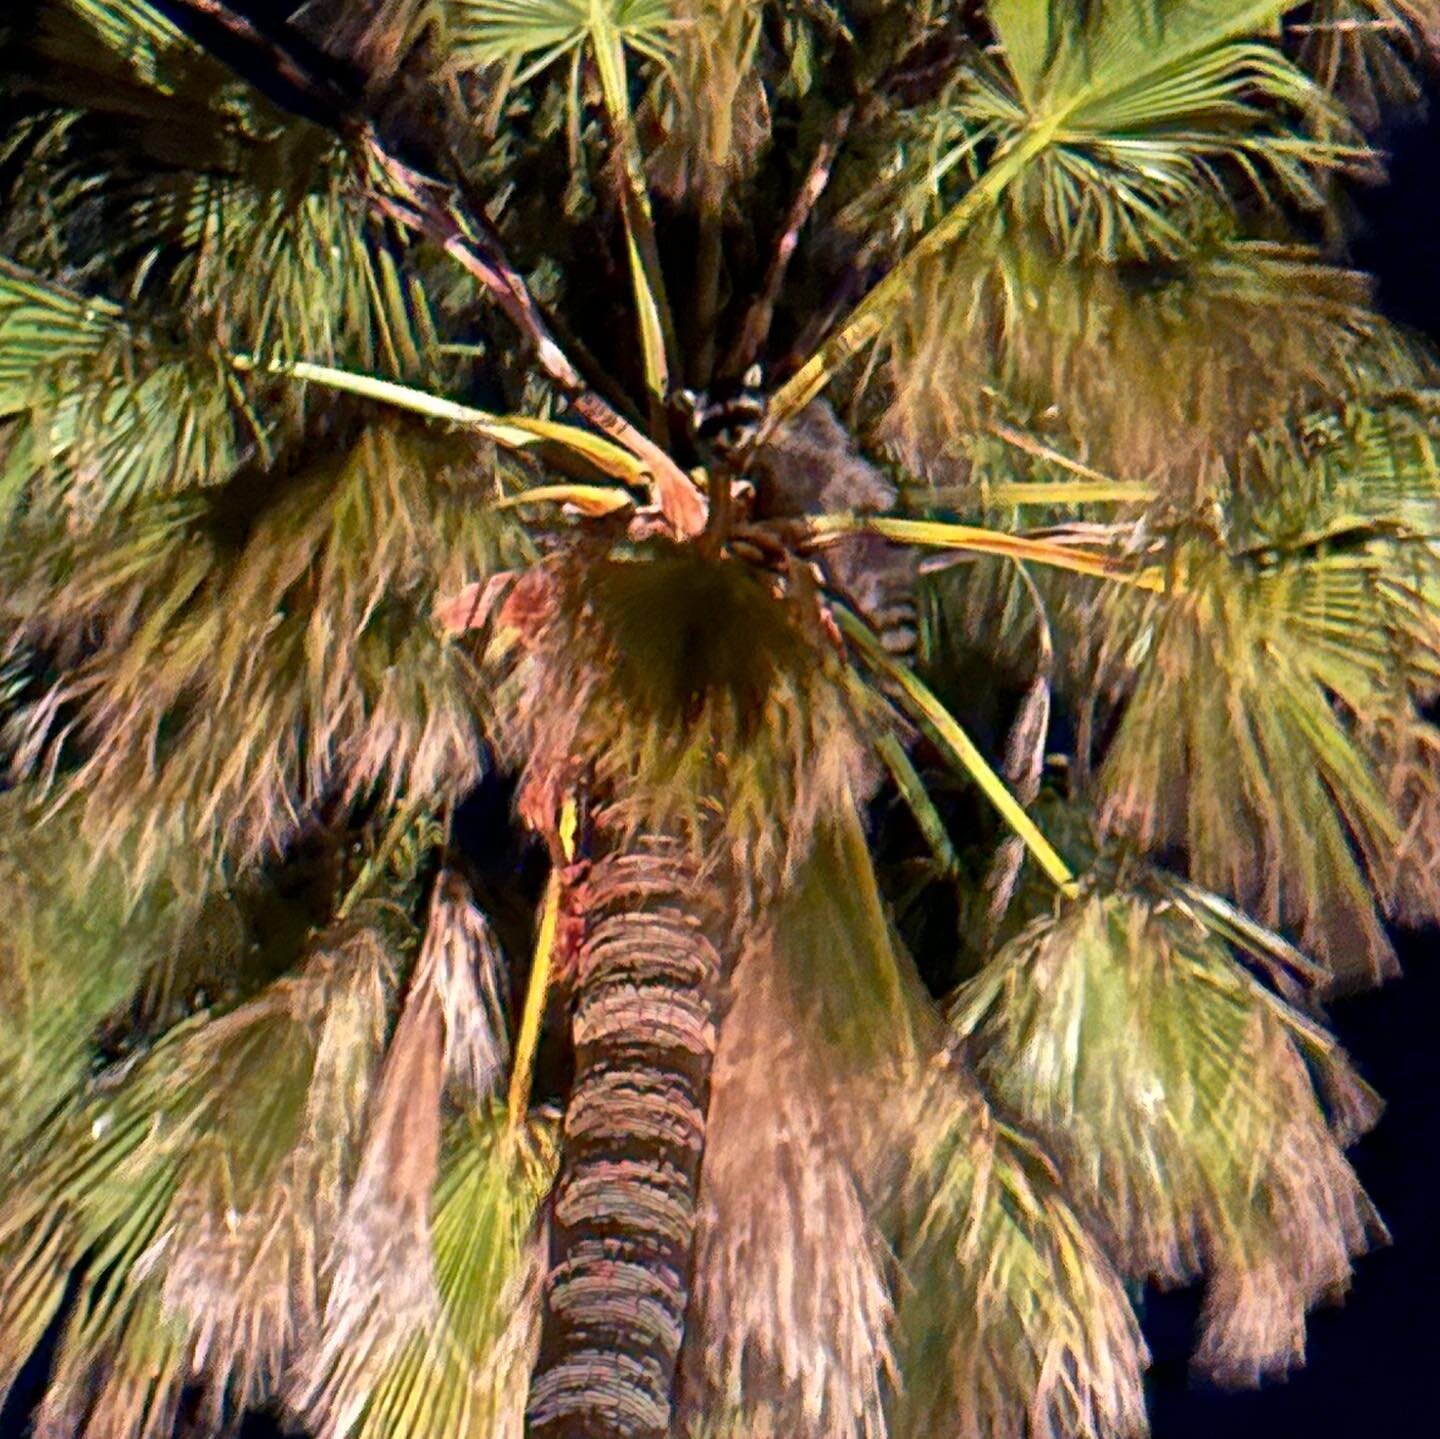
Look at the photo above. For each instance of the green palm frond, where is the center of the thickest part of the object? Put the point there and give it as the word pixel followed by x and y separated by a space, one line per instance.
pixel 510 32
pixel 1010 1320
pixel 256 652
pixel 335 286
pixel 461 1367
pixel 1177 1097
pixel 79 944
pixel 1148 114
pixel 1234 745
pixel 191 1195
pixel 197 181
pixel 133 34
pixel 1118 119
pixel 536 33
pixel 1378 459
pixel 104 412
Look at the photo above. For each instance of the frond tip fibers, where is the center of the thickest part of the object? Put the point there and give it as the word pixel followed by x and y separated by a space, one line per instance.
pixel 1176 1097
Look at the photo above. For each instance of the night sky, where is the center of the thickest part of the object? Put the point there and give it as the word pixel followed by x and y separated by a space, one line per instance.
pixel 1373 1363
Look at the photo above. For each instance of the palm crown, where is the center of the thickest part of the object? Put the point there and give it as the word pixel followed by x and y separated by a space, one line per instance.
pixel 359 372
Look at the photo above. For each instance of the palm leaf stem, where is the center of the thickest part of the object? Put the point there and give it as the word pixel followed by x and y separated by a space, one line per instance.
pixel 374 866
pixel 868 318
pixel 755 328
pixel 917 799
pixel 658 344
pixel 429 208
pixel 510 432
pixel 922 702
pixel 974 539
pixel 528 1040
pixel 1037 449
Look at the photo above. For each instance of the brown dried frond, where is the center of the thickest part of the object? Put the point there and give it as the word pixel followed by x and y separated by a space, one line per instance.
pixel 1011 1322
pixel 374 38
pixel 790 1303
pixel 230 661
pixel 1365 51
pixel 245 1249
pixel 698 698
pixel 711 101
pixel 1177 1097
pixel 1143 371
pixel 463 958
pixel 1407 752
pixel 822 1053
pixel 381 1280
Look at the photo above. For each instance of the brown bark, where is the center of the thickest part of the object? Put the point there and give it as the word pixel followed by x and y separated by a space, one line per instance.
pixel 623 1223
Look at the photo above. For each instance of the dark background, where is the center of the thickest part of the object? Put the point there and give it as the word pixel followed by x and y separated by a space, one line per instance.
pixel 1373 1365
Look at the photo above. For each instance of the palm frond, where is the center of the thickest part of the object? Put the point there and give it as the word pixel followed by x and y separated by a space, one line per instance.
pixel 1011 1323
pixel 512 31
pixel 107 413
pixel 1151 116
pixel 191 1196
pixel 381 1292
pixel 712 103
pixel 461 1367
pixel 536 33
pixel 1365 51
pixel 1248 764
pixel 826 1026
pixel 235 659
pixel 194 180
pixel 696 694
pixel 1004 330
pixel 79 944
pixel 1177 1099
pixel 1117 121
pixel 336 289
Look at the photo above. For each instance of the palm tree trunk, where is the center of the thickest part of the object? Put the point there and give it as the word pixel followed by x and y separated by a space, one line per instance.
pixel 624 1210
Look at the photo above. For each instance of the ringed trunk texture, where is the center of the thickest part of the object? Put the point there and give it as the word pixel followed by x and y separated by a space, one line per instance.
pixel 623 1222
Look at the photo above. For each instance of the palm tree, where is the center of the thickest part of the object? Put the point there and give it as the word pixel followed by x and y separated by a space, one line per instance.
pixel 945 785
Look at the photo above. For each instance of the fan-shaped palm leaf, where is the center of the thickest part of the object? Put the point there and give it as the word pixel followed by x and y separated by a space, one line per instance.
pixel 1177 1098
pixel 195 1193
pixel 464 1370
pixel 106 414
pixel 1006 330
pixel 1010 1320
pixel 1213 764
pixel 79 944
pixel 1117 115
